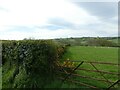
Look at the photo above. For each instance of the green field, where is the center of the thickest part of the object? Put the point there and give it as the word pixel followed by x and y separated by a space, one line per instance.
pixel 98 54
pixel 89 53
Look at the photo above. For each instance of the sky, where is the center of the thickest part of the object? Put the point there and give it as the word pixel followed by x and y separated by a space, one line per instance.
pixel 49 19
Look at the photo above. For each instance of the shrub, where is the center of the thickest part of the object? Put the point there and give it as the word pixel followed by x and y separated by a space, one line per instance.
pixel 37 57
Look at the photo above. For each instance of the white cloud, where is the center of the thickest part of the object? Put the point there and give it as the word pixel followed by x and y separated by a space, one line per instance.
pixel 32 13
pixel 41 34
pixel 36 12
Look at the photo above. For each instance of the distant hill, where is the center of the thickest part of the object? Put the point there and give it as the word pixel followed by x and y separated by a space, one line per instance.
pixel 90 41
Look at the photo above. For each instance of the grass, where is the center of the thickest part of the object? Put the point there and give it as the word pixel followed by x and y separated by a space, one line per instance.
pixel 0 78
pixel 99 54
pixel 7 77
pixel 89 53
pixel 58 84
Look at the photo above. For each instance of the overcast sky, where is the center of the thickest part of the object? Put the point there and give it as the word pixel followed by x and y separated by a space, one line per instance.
pixel 46 19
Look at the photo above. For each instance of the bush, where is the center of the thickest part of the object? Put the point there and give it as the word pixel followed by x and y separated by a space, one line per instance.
pixel 37 57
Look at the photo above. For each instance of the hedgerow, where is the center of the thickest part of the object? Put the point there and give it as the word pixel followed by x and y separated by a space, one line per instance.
pixel 34 61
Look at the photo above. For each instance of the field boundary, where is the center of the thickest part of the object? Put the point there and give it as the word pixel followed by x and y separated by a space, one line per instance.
pixel 112 84
pixel 93 62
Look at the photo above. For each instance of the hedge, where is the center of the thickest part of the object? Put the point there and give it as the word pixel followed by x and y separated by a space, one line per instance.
pixel 33 57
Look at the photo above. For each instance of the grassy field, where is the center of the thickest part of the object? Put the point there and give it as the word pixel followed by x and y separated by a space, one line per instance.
pixel 99 54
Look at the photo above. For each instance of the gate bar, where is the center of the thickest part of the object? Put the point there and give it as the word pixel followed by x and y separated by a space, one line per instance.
pixel 113 85
pixel 101 73
pixel 72 71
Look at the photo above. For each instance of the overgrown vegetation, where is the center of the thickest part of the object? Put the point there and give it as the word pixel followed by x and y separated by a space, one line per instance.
pixel 29 63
